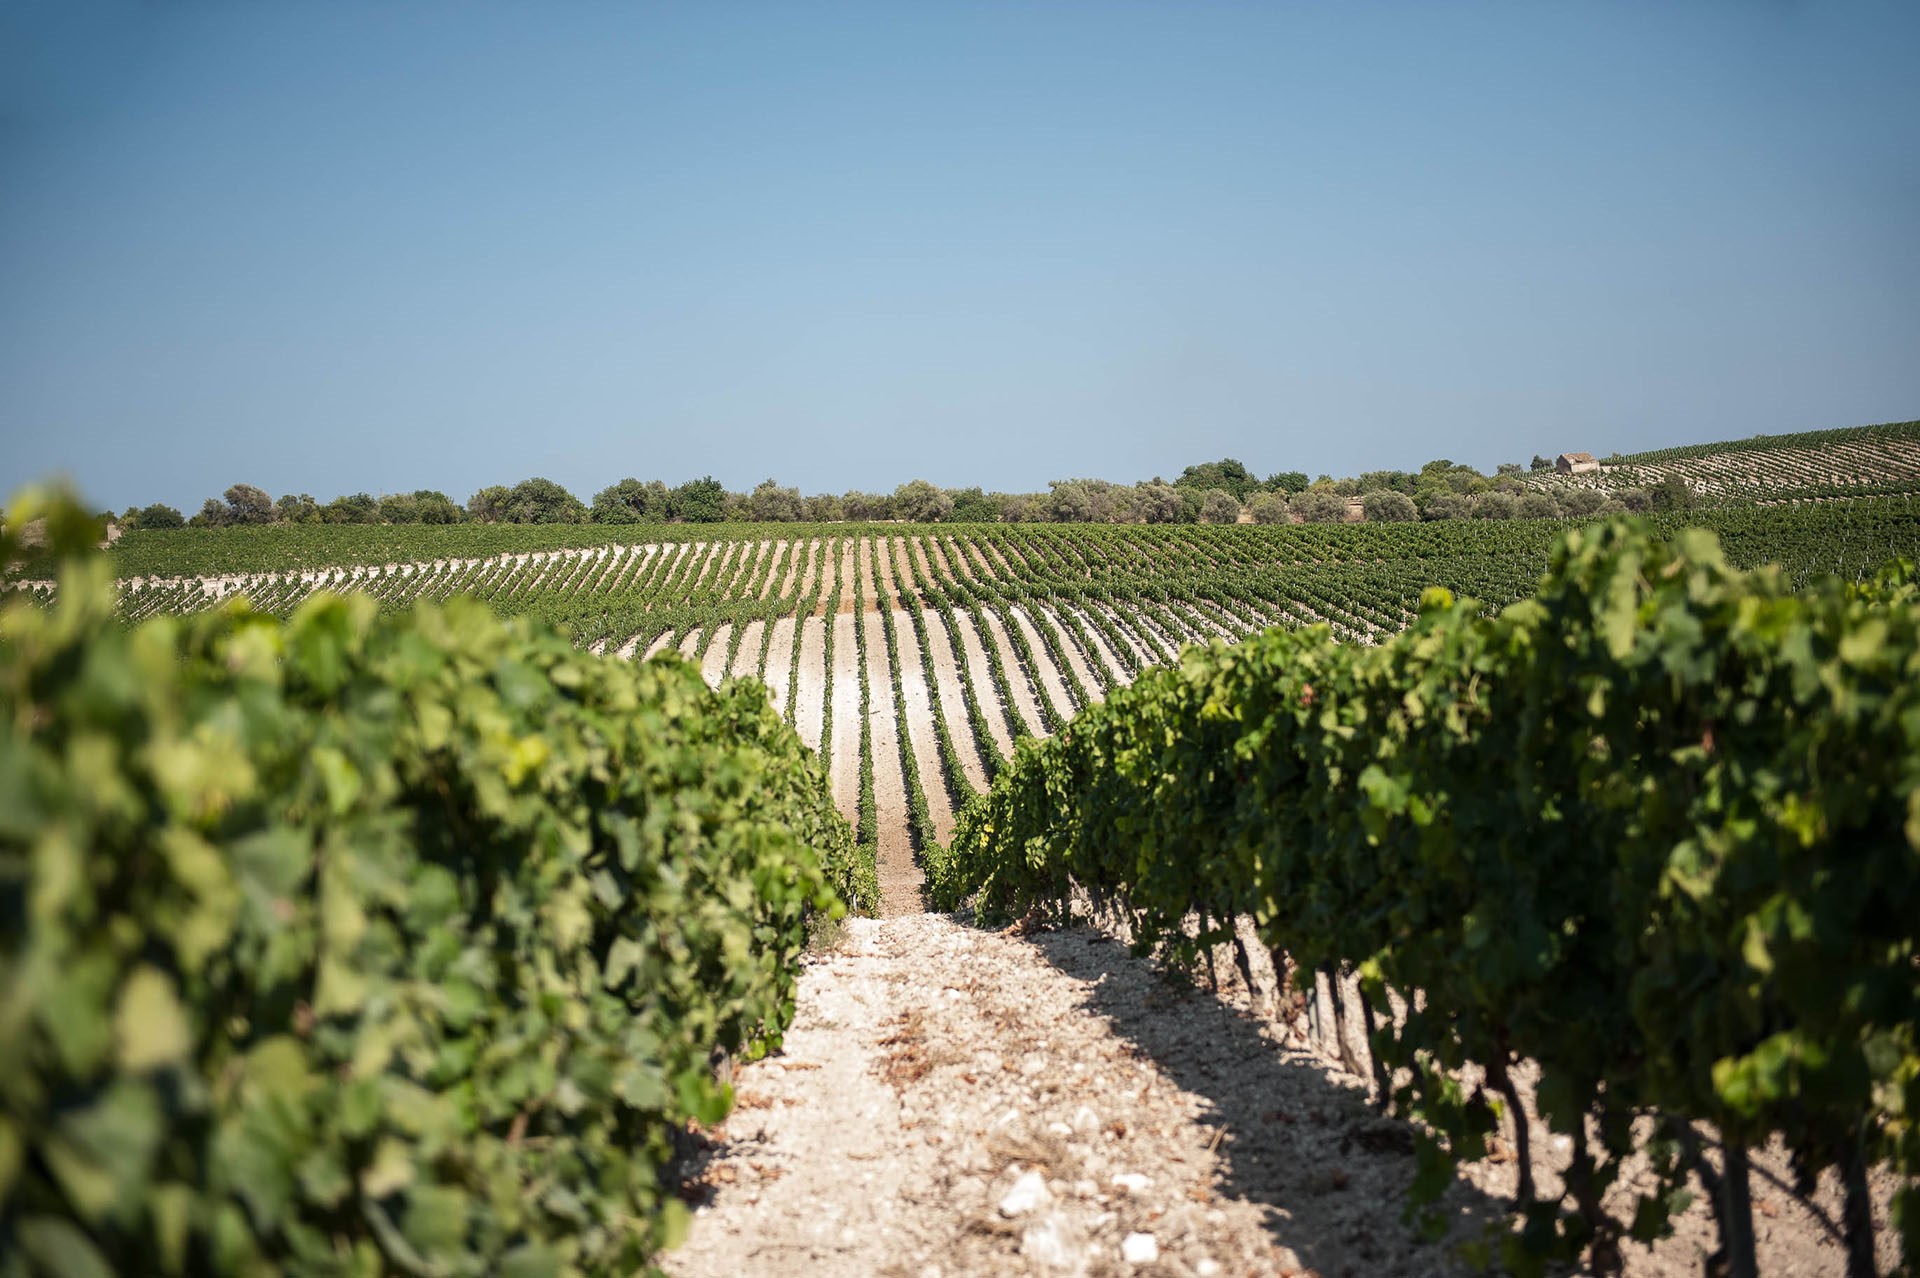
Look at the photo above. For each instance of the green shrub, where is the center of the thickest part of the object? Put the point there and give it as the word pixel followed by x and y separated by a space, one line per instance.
pixel 352 945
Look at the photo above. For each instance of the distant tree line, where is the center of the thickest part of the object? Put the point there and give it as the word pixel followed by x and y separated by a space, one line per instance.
pixel 1219 492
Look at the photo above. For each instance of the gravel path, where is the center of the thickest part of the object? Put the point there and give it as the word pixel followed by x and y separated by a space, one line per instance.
pixel 952 1101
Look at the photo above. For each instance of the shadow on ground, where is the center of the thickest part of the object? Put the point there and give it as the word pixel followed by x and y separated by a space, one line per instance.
pixel 1331 1176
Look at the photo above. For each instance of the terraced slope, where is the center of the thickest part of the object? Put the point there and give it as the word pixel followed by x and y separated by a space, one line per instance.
pixel 917 657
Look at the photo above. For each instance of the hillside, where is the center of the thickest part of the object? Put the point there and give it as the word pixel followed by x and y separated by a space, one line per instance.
pixel 1825 465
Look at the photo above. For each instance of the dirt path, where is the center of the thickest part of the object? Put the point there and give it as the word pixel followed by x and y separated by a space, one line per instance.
pixel 952 1101
pixel 917 710
pixel 900 876
pixel 746 661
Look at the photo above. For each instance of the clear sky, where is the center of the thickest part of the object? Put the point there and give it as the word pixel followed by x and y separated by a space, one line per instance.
pixel 336 246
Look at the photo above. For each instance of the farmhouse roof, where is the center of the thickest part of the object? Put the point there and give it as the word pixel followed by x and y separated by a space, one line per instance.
pixel 1576 457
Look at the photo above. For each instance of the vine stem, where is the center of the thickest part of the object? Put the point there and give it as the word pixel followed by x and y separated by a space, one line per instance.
pixel 1736 1217
pixel 1499 1072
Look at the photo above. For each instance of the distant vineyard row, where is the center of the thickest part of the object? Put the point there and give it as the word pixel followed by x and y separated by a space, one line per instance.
pixel 915 658
pixel 1363 578
pixel 1865 461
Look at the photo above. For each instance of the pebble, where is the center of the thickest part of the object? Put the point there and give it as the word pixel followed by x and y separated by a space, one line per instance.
pixel 1027 1193
pixel 1133 1182
pixel 1139 1249
pixel 1046 1244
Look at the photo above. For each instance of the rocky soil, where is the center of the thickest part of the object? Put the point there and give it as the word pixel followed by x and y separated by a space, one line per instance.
pixel 953 1101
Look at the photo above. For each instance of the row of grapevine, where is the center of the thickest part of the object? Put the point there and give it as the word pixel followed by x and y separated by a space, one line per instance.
pixel 1655 830
pixel 1025 625
pixel 357 944
pixel 1868 461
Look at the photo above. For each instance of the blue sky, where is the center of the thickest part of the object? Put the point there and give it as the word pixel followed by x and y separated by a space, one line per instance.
pixel 327 247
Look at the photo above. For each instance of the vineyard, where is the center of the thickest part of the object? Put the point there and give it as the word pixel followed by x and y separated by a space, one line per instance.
pixel 499 891
pixel 915 659
pixel 1829 465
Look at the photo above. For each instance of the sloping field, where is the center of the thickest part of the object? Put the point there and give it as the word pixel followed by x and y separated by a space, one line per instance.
pixel 917 657
pixel 1862 461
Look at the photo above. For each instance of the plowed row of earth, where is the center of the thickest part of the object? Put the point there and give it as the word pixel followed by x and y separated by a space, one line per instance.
pixel 957 1101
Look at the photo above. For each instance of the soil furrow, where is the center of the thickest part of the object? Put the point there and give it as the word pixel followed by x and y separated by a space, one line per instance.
pixel 1052 682
pixel 843 765
pixel 998 715
pixel 810 696
pixel 1019 682
pixel 778 664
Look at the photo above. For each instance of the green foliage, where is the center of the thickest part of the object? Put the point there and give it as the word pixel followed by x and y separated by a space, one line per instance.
pixel 422 506
pixel 920 502
pixel 770 503
pixel 1319 506
pixel 971 506
pixel 631 502
pixel 1671 493
pixel 1226 474
pixel 248 505
pixel 351 508
pixel 1269 508
pixel 698 501
pixel 541 501
pixel 1655 828
pixel 1219 507
pixel 155 516
pixel 1386 506
pixel 355 945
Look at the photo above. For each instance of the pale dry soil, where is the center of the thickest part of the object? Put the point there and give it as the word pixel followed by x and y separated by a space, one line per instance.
pixel 955 1101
